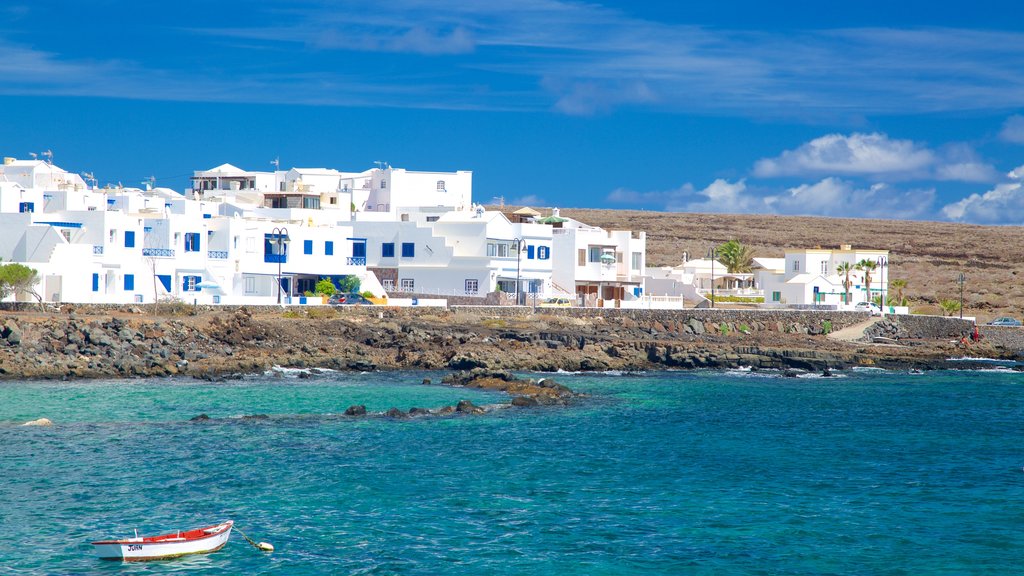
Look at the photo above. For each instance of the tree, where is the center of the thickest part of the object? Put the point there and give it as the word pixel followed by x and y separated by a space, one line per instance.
pixel 950 306
pixel 844 269
pixel 16 278
pixel 348 284
pixel 867 266
pixel 898 285
pixel 738 259
pixel 325 287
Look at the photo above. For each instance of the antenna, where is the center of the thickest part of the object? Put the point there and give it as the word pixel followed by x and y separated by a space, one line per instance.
pixel 149 182
pixel 89 178
pixel 277 163
pixel 381 164
pixel 33 155
pixel 49 156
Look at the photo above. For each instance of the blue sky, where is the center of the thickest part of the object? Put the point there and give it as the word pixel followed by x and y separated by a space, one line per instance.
pixel 876 109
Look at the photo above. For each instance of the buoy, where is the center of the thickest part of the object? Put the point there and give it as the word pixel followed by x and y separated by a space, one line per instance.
pixel 262 546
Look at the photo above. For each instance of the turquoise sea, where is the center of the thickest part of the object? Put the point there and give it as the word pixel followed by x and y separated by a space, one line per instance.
pixel 668 473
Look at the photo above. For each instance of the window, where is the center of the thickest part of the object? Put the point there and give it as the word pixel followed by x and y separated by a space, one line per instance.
pixel 129 282
pixel 311 203
pixel 95 282
pixel 408 250
pixel 281 188
pixel 383 184
pixel 307 246
pixel 497 249
pixel 543 252
pixel 776 296
pixel 433 218
pixel 582 259
pixel 388 284
pixel 408 284
pixel 594 254
pixel 329 248
pixel 796 265
pixel 359 249
pixel 637 261
pixel 250 285
pixel 530 251
pixel 275 248
pixel 188 283
pixel 440 186
pixel 191 242
pixel 824 268
pixel 27 207
pixel 387 250
pixel 507 286
pixel 129 239
pixel 472 286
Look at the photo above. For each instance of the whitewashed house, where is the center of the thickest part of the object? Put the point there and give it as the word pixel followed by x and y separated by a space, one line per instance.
pixel 810 277
pixel 597 265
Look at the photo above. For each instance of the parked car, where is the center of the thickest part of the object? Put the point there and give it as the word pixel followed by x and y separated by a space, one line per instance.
pixel 556 302
pixel 868 307
pixel 1005 321
pixel 348 300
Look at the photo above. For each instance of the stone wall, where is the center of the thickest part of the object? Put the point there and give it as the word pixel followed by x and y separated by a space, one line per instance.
pixel 1010 337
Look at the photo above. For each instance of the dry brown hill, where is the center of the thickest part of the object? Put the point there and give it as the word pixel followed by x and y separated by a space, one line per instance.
pixel 928 255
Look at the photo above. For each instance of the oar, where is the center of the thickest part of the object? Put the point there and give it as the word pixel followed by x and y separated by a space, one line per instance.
pixel 264 546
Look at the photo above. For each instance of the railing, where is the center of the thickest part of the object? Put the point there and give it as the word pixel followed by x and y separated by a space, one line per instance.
pixel 158 252
pixel 356 260
pixel 97 249
pixel 217 254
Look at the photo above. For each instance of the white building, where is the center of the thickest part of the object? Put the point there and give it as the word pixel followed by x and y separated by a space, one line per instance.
pixel 255 237
pixel 811 277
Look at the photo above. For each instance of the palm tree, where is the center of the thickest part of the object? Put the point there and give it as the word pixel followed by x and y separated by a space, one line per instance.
pixel 949 306
pixel 737 258
pixel 844 269
pixel 867 266
pixel 898 285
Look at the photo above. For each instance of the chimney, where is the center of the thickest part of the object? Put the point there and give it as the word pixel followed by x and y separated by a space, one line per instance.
pixel 846 247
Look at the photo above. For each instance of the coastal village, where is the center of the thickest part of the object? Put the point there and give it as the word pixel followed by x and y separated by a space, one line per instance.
pixel 240 237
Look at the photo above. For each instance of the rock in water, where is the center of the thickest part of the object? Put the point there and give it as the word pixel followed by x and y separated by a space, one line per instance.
pixel 359 410
pixel 39 422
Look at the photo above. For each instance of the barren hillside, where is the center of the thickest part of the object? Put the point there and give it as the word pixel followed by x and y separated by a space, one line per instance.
pixel 929 255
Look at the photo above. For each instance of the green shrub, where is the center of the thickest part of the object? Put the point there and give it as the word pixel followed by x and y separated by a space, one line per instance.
pixel 724 329
pixel 325 287
pixel 826 326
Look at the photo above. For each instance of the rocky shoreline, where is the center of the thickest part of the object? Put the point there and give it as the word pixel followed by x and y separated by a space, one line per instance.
pixel 130 342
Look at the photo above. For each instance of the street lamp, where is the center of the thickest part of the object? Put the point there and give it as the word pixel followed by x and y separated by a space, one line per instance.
pixel 281 241
pixel 517 245
pixel 712 254
pixel 961 279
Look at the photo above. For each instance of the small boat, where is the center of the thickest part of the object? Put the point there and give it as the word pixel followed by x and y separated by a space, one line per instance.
pixel 141 548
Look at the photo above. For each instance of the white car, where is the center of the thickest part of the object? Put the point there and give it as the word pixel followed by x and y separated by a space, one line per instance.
pixel 868 307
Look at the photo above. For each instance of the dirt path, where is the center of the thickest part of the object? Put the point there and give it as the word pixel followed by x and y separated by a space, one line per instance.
pixel 855 332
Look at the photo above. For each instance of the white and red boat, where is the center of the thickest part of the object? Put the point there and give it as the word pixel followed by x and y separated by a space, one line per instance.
pixel 140 548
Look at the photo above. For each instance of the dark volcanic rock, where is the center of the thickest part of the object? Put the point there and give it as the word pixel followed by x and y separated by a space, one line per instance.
pixel 200 418
pixel 358 410
pixel 467 407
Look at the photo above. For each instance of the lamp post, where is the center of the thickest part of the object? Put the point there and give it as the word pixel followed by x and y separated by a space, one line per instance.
pixel 712 254
pixel 961 279
pixel 517 245
pixel 281 241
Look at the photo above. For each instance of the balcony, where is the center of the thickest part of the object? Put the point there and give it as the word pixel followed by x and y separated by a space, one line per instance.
pixel 356 260
pixel 217 254
pixel 158 252
pixel 97 249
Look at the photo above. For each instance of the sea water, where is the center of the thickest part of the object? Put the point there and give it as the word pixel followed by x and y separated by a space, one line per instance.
pixel 665 473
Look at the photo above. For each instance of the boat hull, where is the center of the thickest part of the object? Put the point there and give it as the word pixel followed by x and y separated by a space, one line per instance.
pixel 199 541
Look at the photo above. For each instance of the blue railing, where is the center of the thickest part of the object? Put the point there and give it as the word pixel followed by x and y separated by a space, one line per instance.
pixel 158 252
pixel 357 260
pixel 217 254
pixel 97 249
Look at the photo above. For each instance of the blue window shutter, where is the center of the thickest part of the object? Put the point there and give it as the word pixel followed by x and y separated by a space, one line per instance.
pixel 329 248
pixel 387 250
pixel 359 249
pixel 408 250
pixel 129 282
pixel 307 246
pixel 165 280
pixel 198 280
pixel 529 252
pixel 95 282
pixel 184 283
pixel 129 239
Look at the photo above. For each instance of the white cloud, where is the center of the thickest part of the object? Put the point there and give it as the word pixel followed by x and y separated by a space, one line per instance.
pixel 528 200
pixel 1013 130
pixel 828 197
pixel 1003 204
pixel 856 154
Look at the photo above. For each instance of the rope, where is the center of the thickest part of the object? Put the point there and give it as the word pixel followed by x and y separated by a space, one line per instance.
pixel 263 546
